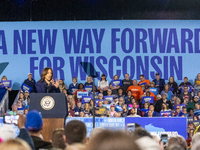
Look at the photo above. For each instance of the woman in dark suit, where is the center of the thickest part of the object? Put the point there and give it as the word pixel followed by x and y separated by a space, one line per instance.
pixel 46 84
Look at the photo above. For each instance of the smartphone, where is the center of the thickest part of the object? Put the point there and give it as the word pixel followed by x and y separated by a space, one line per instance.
pixel 130 127
pixel 164 138
pixel 10 119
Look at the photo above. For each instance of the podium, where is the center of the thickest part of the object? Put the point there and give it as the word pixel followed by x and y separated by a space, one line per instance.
pixel 54 110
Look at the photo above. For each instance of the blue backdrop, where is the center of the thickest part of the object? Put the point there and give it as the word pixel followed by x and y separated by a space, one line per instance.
pixel 170 47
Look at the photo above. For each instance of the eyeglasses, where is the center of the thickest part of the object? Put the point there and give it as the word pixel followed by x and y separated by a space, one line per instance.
pixel 177 108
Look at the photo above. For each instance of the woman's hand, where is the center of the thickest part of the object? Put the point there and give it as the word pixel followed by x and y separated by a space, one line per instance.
pixel 56 83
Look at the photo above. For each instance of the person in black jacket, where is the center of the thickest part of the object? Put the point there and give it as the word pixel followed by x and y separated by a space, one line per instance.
pixel 159 83
pixel 30 82
pixel 173 85
pixel 164 99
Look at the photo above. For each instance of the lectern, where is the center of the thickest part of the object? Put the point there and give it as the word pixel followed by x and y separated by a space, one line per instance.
pixel 54 110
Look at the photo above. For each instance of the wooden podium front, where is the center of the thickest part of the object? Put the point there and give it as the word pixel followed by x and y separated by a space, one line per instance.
pixel 49 125
pixel 53 108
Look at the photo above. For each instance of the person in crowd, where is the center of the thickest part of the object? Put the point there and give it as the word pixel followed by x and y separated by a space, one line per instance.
pixel 177 142
pixel 58 140
pixel 103 84
pixel 81 114
pixel 95 132
pixel 86 110
pixel 75 132
pixel 133 113
pixel 186 100
pixel 146 108
pixel 97 112
pixel 173 85
pixel 115 101
pixel 65 92
pixel 152 85
pixel 120 141
pixel 195 141
pixel 34 126
pixel 102 109
pixel 79 106
pixel 31 83
pixel 73 86
pixel 80 89
pixel 173 100
pixel 124 111
pixel 136 90
pixel 177 101
pixel 108 113
pixel 130 105
pixel 74 108
pixel 167 91
pixel 127 98
pixel 165 107
pixel 105 101
pixel 70 98
pixel 191 113
pixel 117 114
pixel 4 78
pixel 149 113
pixel 109 92
pixel 126 83
pixel 154 113
pixel 100 96
pixel 184 83
pixel 62 85
pixel 191 105
pixel 184 112
pixel 71 113
pixel 120 93
pixel 121 101
pixel 114 88
pixel 177 112
pixel 15 144
pixel 89 82
pixel 143 82
pixel 182 95
pixel 14 110
pixel 164 99
pixel 159 83
pixel 46 84
pixel 25 111
pixel 91 104
pixel 21 96
pixel 25 100
pixel 150 93
pixel 20 108
pixel 112 110
pixel 137 110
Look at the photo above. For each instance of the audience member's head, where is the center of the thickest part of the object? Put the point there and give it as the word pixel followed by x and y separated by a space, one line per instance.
pixel 7 132
pixel 112 140
pixel 75 132
pixel 57 138
pixel 14 144
pixel 177 141
pixel 95 132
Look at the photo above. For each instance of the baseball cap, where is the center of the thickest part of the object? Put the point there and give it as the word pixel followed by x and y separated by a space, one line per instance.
pixel 112 106
pixel 115 97
pixel 196 97
pixel 33 120
pixel 186 96
pixel 146 87
pixel 157 73
pixel 29 74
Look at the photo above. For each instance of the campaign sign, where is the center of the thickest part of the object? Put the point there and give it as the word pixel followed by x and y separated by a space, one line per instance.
pixel 144 83
pixel 96 101
pixel 118 108
pixel 189 88
pixel 74 90
pixel 107 106
pixel 96 94
pixel 86 99
pixel 171 89
pixel 189 119
pixel 169 113
pixel 181 106
pixel 161 125
pixel 80 94
pixel 6 83
pixel 153 90
pixel 197 112
pixel 147 99
pixel 109 98
pixel 25 87
pixel 88 88
pixel 116 82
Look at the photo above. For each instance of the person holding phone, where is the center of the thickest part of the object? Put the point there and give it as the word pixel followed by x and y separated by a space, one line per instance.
pixel 46 84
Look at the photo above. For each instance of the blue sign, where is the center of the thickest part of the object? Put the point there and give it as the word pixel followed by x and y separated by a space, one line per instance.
pixel 147 99
pixel 153 90
pixel 109 98
pixel 6 83
pixel 25 87
pixel 107 106
pixel 189 88
pixel 96 101
pixel 168 113
pixel 86 99
pixel 118 108
pixel 168 125
pixel 181 106
pixel 74 90
pixel 88 88
pixel 116 82
pixel 144 83
pixel 80 94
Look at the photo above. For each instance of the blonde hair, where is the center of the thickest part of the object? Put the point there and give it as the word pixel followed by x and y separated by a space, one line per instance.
pixel 14 144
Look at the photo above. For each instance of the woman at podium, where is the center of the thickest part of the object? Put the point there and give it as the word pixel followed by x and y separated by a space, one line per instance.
pixel 46 84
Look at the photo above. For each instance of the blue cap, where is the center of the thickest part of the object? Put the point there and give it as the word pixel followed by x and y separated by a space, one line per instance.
pixel 33 120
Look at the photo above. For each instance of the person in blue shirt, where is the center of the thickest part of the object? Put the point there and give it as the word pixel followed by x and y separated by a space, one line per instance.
pixel 74 108
pixel 30 82
pixel 46 84
pixel 89 82
pixel 73 86
pixel 151 108
pixel 145 109
pixel 159 83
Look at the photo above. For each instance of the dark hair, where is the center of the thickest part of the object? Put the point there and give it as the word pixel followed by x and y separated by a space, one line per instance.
pixel 177 141
pixel 74 78
pixel 142 75
pixel 75 132
pixel 80 85
pixel 44 73
pixel 103 75
pixel 57 138
pixel 140 132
